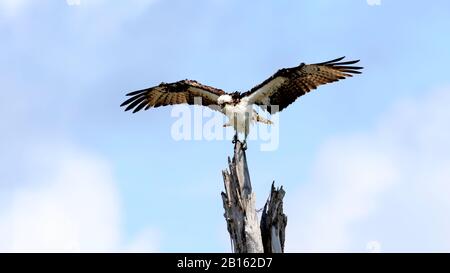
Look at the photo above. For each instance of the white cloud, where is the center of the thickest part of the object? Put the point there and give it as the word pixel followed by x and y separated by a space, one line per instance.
pixel 390 185
pixel 69 202
pixel 54 195
pixel 100 15
pixel 12 8
pixel 102 18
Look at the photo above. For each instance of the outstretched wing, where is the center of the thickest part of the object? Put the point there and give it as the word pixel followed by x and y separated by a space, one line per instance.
pixel 287 84
pixel 185 91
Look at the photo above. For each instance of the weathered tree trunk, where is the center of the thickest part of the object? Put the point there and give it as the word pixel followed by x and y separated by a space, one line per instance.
pixel 273 222
pixel 247 236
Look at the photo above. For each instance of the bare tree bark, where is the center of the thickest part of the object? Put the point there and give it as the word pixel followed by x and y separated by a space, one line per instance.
pixel 247 236
pixel 273 222
pixel 239 204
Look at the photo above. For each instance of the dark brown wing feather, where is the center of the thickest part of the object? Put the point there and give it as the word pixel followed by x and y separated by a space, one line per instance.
pixel 185 91
pixel 287 84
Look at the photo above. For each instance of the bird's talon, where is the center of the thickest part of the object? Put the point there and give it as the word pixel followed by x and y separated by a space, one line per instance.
pixel 235 139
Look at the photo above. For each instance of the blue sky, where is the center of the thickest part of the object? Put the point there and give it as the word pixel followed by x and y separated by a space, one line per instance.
pixel 363 161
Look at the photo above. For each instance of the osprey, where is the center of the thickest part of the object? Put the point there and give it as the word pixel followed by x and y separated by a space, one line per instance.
pixel 273 95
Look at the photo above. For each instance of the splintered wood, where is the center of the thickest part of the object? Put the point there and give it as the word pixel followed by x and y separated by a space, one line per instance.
pixel 246 233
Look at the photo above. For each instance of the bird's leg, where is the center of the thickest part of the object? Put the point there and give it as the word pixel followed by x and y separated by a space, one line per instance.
pixel 246 130
pixel 244 143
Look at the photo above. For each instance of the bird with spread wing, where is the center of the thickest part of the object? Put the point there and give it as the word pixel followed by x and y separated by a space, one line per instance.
pixel 273 95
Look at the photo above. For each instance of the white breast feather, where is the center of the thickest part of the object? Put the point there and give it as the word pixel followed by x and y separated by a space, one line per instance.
pixel 241 111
